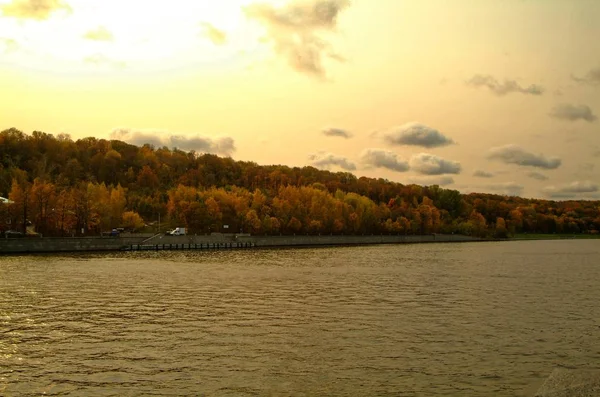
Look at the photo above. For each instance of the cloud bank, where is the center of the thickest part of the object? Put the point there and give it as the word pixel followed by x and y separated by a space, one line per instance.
pixel 222 145
pixel 337 132
pixel 514 154
pixel 294 31
pixel 33 9
pixel 328 160
pixel 430 164
pixel 571 189
pixel 416 134
pixel 570 112
pixel 504 88
pixel 380 158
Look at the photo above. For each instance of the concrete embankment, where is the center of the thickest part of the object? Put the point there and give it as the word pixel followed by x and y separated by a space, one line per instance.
pixel 229 241
pixel 214 241
pixel 75 244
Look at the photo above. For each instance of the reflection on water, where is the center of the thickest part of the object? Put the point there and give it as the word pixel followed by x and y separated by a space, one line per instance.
pixel 444 319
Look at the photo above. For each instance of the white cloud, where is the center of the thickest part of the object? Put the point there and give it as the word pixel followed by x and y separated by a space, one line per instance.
pixel 431 180
pixel 380 158
pixel 217 36
pixel 221 145
pixel 482 174
pixel 327 160
pixel 430 164
pixel 337 132
pixel 33 9
pixel 537 175
pixel 294 30
pixel 507 87
pixel 506 188
pixel 592 77
pixel 99 34
pixel 514 154
pixel 570 112
pixel 416 134
pixel 571 189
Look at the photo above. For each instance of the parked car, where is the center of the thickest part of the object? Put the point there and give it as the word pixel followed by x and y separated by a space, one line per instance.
pixel 112 233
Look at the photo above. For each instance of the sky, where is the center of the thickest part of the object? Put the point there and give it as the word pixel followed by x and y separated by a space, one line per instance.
pixel 498 96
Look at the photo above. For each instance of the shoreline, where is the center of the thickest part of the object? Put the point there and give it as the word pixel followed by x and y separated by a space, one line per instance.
pixel 217 241
pixel 159 242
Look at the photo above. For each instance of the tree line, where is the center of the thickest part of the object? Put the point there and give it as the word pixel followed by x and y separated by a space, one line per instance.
pixel 69 187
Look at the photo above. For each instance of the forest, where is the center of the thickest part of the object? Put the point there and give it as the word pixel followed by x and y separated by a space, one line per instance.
pixel 58 186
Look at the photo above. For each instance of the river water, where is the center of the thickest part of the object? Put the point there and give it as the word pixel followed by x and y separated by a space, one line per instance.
pixel 472 319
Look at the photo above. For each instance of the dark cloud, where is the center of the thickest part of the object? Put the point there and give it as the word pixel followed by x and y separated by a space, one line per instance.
pixel 337 132
pixel 416 134
pixel 327 160
pixel 573 113
pixel 217 36
pixel 572 189
pixel 33 9
pixel 294 30
pixel 99 34
pixel 537 175
pixel 380 158
pixel 506 87
pixel 223 145
pixel 483 174
pixel 431 180
pixel 430 164
pixel 507 188
pixel 514 154
pixel 592 77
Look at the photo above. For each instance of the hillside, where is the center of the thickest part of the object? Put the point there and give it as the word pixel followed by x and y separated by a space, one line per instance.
pixel 64 186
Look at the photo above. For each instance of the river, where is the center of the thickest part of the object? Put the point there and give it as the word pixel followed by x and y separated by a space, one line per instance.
pixel 471 319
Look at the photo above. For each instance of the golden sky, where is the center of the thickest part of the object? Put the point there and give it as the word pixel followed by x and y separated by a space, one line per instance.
pixel 490 95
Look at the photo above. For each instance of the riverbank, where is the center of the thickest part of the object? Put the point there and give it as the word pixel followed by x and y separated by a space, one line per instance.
pixel 214 241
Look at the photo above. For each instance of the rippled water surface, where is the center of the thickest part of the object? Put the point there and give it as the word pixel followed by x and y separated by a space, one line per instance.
pixel 485 319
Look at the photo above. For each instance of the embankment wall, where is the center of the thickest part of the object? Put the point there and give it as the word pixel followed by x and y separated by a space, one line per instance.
pixel 82 244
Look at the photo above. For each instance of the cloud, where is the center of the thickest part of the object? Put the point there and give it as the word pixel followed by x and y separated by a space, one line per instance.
pixel 222 145
pixel 217 36
pixel 8 45
pixel 430 164
pixel 380 158
pixel 506 188
pixel 294 31
pixel 592 77
pixel 99 34
pixel 537 175
pixel 573 113
pixel 431 180
pixel 571 189
pixel 33 9
pixel 513 154
pixel 103 60
pixel 482 174
pixel 507 87
pixel 416 134
pixel 337 132
pixel 327 160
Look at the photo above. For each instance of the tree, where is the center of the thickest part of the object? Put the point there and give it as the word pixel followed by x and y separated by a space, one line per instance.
pixel 132 221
